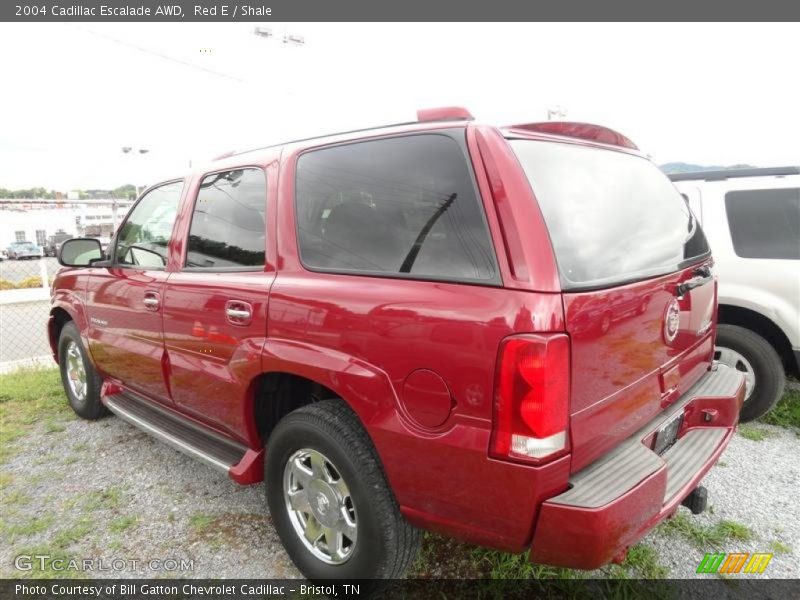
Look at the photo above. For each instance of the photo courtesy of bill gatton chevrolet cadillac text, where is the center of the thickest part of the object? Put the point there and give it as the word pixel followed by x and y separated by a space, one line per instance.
pixel 504 335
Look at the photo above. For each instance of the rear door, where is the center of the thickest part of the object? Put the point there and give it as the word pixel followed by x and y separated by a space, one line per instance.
pixel 639 296
pixel 215 305
pixel 124 301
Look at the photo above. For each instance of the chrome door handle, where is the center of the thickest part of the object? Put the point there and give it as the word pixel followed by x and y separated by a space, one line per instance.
pixel 151 301
pixel 238 312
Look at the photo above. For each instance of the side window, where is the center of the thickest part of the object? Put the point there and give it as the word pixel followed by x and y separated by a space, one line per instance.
pixel 228 224
pixel 765 223
pixel 404 206
pixel 144 237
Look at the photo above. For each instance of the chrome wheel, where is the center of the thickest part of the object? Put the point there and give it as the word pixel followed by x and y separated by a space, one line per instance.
pixel 320 506
pixel 76 371
pixel 734 360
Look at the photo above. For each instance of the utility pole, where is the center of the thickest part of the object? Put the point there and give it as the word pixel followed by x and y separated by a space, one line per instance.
pixel 131 151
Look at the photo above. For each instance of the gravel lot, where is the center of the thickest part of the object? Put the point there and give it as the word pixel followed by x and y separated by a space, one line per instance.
pixel 104 490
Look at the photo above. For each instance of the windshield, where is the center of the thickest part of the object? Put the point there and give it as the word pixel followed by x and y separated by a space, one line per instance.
pixel 613 217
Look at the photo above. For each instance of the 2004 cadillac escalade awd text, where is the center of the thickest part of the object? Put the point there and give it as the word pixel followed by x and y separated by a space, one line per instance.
pixel 502 334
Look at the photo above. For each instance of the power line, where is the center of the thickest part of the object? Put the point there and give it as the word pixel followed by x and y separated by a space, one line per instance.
pixel 165 56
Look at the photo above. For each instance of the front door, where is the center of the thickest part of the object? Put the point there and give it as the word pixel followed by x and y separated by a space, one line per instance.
pixel 215 305
pixel 124 301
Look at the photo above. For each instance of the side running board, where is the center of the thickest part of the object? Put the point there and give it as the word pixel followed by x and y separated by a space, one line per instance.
pixel 187 437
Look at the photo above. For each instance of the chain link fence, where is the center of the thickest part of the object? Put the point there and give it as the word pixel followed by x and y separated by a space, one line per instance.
pixel 31 231
pixel 24 310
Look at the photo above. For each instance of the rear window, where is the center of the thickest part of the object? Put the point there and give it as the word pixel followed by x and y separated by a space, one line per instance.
pixel 612 217
pixel 765 223
pixel 395 207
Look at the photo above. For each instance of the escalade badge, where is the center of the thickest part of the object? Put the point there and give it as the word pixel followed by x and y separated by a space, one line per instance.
pixel 672 319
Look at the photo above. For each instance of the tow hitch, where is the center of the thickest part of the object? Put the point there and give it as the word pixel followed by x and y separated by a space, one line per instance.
pixel 697 500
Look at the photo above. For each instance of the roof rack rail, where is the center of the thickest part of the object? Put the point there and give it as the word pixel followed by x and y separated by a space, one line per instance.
pixel 723 174
pixel 584 131
pixel 424 115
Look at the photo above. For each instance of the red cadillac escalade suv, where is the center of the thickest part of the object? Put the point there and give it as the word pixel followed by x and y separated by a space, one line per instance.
pixel 501 334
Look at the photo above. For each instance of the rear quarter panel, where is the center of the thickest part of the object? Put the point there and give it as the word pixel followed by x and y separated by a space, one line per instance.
pixel 362 336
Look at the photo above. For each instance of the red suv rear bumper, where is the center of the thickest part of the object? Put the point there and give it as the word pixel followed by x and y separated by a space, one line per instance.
pixel 616 500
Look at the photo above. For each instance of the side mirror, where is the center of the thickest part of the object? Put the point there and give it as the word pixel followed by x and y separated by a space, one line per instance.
pixel 80 252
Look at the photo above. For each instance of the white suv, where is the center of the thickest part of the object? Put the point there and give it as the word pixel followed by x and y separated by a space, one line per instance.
pixel 751 218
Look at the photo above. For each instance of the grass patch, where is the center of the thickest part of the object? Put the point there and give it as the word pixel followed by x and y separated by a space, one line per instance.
pixel 14 498
pixel 445 558
pixel 75 533
pixel 122 523
pixel 643 560
pixel 29 396
pixel 754 433
pixel 702 536
pixel 501 565
pixel 27 528
pixel 779 547
pixel 54 426
pixel 786 412
pixel 200 522
pixel 103 499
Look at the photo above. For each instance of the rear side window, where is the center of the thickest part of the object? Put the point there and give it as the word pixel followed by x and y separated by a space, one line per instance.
pixel 612 217
pixel 228 224
pixel 765 223
pixel 403 207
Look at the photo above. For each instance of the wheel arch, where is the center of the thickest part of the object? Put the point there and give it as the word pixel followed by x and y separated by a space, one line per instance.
pixel 764 326
pixel 295 374
pixel 59 317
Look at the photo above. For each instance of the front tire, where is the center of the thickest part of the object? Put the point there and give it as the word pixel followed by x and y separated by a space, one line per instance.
pixel 749 353
pixel 329 498
pixel 81 382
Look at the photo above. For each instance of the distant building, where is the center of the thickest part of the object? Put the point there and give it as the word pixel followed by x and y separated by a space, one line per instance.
pixel 34 222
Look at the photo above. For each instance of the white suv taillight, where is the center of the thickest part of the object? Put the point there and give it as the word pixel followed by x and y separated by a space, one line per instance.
pixel 531 398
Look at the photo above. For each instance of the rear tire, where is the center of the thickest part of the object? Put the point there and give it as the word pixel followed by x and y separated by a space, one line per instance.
pixel 81 382
pixel 385 544
pixel 768 375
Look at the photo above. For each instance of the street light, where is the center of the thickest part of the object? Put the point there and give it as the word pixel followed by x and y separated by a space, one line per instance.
pixel 288 38
pixel 556 113
pixel 133 152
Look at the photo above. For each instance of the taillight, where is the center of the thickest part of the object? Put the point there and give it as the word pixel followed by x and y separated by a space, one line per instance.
pixel 531 398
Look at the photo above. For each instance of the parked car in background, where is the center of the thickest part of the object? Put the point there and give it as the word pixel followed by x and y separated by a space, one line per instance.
pixel 3 254
pixel 382 325
pixel 54 242
pixel 752 220
pixel 24 251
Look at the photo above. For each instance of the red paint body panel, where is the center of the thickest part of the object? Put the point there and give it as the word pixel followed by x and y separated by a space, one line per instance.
pixel 616 371
pixel 125 339
pixel 588 538
pixel 583 131
pixel 426 398
pixel 368 338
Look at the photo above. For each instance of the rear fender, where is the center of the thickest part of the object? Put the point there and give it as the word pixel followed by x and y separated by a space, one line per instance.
pixel 365 388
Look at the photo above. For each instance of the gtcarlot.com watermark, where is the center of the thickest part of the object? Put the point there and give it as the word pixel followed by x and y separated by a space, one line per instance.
pixel 31 562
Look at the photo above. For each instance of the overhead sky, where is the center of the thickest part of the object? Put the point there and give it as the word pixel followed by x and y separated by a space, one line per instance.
pixel 74 94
